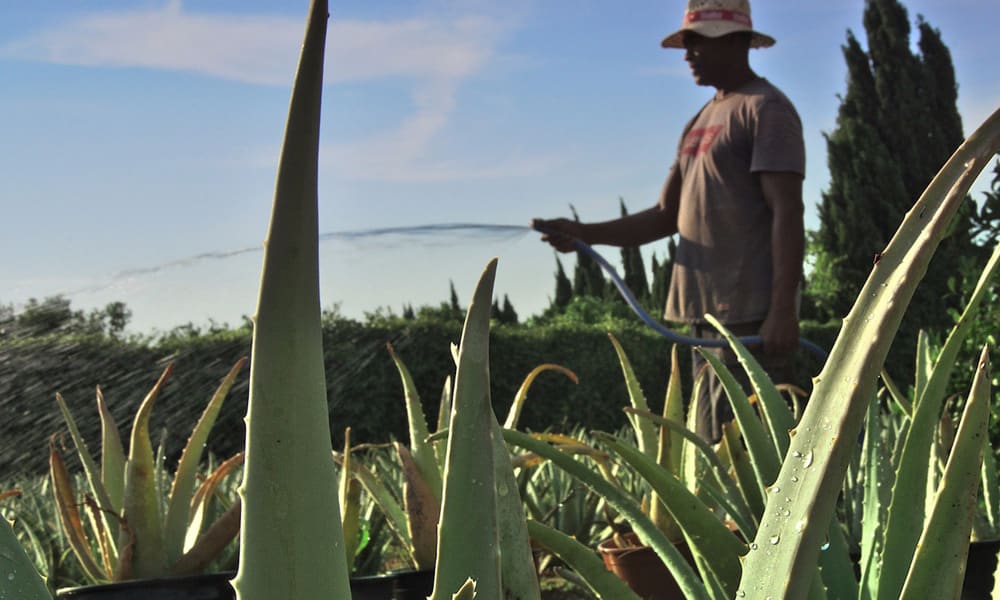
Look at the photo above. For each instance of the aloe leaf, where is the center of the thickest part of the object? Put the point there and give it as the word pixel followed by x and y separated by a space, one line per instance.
pixel 875 473
pixel 522 393
pixel 203 496
pixel 112 456
pixel 991 493
pixel 69 516
pixel 729 494
pixel 835 567
pixel 291 543
pixel 761 449
pixel 670 445
pixel 466 592
pixel 105 546
pixel 900 403
pixel 708 539
pixel 422 511
pixel 422 450
pixel 141 502
pixel 691 465
pixel 647 531
pixel 179 505
pixel 21 580
pixel 583 560
pixel 349 497
pixel 469 508
pixel 518 573
pixel 924 365
pixel 828 432
pixel 743 472
pixel 444 411
pixel 644 434
pixel 939 561
pixel 904 524
pixel 89 466
pixel 673 410
pixel 777 415
pixel 386 501
pixel 210 545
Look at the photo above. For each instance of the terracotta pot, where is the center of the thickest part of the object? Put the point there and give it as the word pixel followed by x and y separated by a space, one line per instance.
pixel 641 568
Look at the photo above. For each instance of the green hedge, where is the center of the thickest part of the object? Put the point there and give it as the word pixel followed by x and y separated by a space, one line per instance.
pixel 363 385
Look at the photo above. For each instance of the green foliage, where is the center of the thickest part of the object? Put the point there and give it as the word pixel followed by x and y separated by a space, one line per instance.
pixel 564 287
pixel 357 367
pixel 54 316
pixel 880 163
pixel 634 268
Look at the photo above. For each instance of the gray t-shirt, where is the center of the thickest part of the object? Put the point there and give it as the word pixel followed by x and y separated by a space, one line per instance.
pixel 723 263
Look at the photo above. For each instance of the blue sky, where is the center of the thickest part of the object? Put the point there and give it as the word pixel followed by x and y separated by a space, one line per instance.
pixel 138 134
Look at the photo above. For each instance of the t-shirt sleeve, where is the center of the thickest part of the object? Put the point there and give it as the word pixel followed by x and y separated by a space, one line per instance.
pixel 778 144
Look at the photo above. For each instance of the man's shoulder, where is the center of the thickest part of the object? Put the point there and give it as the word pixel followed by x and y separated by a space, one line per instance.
pixel 762 91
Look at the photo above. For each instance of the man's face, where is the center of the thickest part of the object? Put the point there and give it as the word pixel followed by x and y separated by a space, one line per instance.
pixel 711 59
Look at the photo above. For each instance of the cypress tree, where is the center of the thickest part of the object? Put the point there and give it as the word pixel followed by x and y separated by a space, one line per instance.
pixel 507 313
pixel 634 267
pixel 588 279
pixel 564 288
pixel 896 126
pixel 661 277
pixel 453 304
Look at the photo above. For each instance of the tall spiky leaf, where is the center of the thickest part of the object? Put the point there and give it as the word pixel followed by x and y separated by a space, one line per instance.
pixel 826 437
pixel 112 455
pixel 939 562
pixel 910 489
pixel 182 488
pixel 20 579
pixel 645 435
pixel 468 541
pixel 422 450
pixel 292 540
pixel 141 504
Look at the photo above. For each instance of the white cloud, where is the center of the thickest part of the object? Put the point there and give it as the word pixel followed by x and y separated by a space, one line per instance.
pixel 434 55
pixel 261 49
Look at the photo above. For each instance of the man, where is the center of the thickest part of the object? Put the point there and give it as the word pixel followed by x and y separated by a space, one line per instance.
pixel 734 194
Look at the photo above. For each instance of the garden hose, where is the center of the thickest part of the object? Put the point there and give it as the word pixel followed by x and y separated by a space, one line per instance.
pixel 673 336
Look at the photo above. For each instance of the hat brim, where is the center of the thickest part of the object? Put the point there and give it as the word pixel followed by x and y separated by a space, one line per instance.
pixel 714 30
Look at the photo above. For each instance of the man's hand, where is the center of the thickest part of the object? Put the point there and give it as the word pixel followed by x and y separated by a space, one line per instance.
pixel 780 332
pixel 560 233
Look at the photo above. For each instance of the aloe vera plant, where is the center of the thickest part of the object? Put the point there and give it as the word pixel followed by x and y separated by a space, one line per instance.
pixel 123 533
pixel 831 423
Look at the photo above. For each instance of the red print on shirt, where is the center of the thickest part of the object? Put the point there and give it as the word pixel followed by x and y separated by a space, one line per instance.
pixel 698 141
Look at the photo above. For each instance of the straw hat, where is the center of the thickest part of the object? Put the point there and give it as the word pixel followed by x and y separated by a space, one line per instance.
pixel 716 18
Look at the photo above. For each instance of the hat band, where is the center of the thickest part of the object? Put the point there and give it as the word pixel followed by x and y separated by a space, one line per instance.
pixel 732 16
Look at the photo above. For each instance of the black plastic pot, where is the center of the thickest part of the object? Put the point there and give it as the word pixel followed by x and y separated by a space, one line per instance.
pixel 404 585
pixel 979 570
pixel 412 585
pixel 374 587
pixel 214 586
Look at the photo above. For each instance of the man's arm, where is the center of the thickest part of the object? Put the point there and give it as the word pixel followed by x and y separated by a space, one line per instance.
pixel 783 194
pixel 639 228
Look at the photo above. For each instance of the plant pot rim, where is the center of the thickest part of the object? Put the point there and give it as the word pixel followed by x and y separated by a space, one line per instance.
pixel 143 582
pixel 607 546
